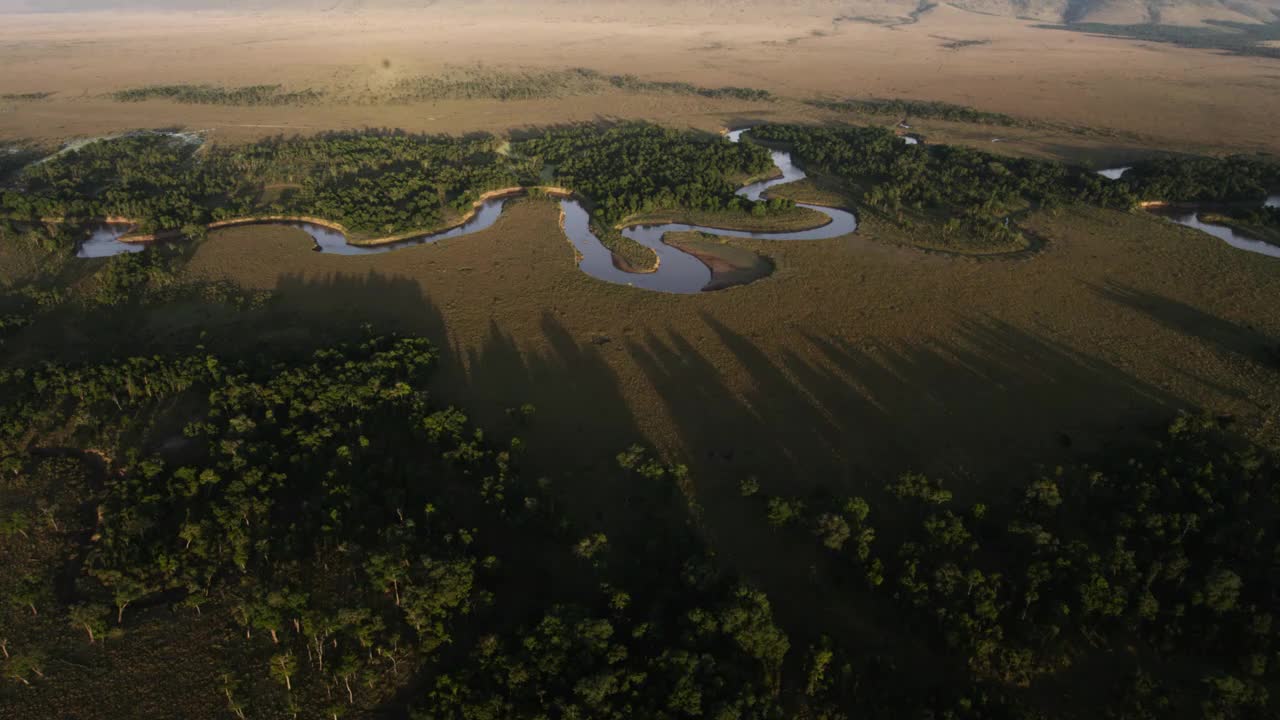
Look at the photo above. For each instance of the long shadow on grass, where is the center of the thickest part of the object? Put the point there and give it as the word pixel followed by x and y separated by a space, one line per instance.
pixel 581 419
pixel 1224 335
pixel 840 411
pixel 559 396
pixel 577 419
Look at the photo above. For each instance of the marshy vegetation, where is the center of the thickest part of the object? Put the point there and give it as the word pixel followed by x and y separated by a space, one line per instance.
pixel 637 168
pixel 248 95
pixel 922 109
pixel 1260 223
pixel 25 97
pixel 481 83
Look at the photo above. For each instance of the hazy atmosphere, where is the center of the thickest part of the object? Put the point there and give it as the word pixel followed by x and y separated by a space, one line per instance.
pixel 659 359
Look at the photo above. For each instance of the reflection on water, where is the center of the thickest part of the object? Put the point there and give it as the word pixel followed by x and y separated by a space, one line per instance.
pixel 677 272
pixel 334 242
pixel 1191 219
pixel 104 241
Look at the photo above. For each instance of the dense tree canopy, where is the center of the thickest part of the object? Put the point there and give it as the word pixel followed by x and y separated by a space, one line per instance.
pixel 1204 179
pixel 376 183
pixel 966 190
pixel 1174 549
pixel 638 168
pixel 370 182
pixel 353 534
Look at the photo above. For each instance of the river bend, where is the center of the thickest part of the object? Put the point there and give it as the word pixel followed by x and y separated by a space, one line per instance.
pixel 677 271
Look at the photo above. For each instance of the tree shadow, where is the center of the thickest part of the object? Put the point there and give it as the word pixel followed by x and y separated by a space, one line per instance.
pixel 986 399
pixel 1116 152
pixel 338 303
pixel 581 418
pixel 568 445
pixel 1224 335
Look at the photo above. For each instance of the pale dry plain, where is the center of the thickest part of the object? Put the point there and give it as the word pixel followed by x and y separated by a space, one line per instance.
pixel 1158 95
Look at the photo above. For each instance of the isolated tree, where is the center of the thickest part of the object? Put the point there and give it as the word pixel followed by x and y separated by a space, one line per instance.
pixel 784 511
pixel 229 687
pixel 833 530
pixel 387 573
pixel 23 666
pixel 90 618
pixel 1221 591
pixel 283 667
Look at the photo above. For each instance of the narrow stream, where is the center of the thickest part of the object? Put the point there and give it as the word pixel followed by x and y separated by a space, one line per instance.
pixel 334 242
pixel 1190 217
pixel 677 272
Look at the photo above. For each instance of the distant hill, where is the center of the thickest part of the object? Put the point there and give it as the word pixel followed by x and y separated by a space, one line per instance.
pixel 1111 12
pixel 1128 12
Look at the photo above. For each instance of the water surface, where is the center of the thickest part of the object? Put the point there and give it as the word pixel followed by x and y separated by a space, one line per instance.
pixel 1190 217
pixel 104 241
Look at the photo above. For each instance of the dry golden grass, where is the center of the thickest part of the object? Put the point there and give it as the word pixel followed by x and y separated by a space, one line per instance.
pixel 1179 98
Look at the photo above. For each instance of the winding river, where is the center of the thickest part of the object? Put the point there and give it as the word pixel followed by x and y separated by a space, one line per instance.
pixel 677 271
pixel 1190 217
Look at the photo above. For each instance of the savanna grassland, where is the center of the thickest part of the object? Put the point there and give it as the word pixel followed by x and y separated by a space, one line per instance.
pixel 1006 451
